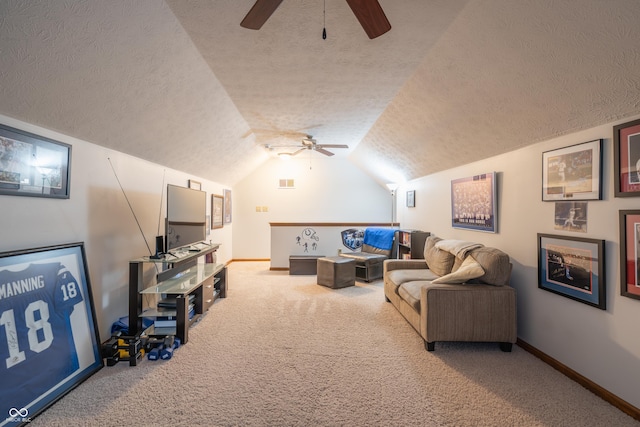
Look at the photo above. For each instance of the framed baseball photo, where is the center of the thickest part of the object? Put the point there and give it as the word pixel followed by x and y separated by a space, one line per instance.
pixel 48 336
pixel 572 267
pixel 630 253
pixel 626 159
pixel 573 173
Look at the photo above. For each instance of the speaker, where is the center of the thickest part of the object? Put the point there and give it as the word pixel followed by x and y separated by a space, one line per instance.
pixel 159 248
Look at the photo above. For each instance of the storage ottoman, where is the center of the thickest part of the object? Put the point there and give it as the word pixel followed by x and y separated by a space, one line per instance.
pixel 336 272
pixel 303 264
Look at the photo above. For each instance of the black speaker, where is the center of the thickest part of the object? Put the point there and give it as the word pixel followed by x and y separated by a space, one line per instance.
pixel 159 247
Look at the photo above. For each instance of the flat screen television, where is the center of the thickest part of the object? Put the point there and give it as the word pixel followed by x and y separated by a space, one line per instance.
pixel 186 216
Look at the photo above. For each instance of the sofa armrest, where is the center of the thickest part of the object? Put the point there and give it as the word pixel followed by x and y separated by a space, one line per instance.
pixel 404 264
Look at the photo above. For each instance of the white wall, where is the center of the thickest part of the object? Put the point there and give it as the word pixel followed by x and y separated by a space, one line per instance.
pixel 97 214
pixel 601 345
pixel 327 189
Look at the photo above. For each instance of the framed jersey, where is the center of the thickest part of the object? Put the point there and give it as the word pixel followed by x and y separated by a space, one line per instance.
pixel 49 340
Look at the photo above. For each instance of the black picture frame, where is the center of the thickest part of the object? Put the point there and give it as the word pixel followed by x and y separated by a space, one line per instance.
pixel 573 173
pixel 32 165
pixel 411 198
pixel 474 203
pixel 626 159
pixel 47 311
pixel 630 253
pixel 573 267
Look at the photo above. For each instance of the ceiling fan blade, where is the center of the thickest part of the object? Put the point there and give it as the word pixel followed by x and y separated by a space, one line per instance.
pixel 332 146
pixel 371 17
pixel 259 13
pixel 323 151
pixel 299 151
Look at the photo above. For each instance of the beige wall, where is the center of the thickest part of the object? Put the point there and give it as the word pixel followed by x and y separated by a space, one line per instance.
pixel 601 345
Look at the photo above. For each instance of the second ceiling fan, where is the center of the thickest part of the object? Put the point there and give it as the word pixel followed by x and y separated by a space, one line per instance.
pixel 309 143
pixel 369 13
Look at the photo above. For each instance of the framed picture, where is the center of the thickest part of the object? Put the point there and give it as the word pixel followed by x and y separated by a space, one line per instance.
pixel 572 267
pixel 411 199
pixel 195 185
pixel 48 337
pixel 227 206
pixel 571 216
pixel 626 159
pixel 217 218
pixel 630 253
pixel 32 165
pixel 473 203
pixel 573 173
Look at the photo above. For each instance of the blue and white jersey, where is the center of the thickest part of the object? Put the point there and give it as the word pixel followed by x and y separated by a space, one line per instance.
pixel 35 331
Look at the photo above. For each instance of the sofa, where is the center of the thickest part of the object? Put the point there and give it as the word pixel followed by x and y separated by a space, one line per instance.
pixel 460 291
pixel 377 246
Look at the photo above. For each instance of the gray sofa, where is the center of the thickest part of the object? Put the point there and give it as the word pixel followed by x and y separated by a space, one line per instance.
pixel 460 292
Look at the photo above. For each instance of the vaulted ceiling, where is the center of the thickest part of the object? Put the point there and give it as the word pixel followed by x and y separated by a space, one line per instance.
pixel 180 83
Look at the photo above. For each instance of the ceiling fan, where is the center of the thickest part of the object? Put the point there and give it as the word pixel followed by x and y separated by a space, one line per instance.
pixel 369 13
pixel 309 143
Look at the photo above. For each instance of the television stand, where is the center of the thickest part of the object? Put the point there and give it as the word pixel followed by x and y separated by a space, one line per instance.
pixel 194 285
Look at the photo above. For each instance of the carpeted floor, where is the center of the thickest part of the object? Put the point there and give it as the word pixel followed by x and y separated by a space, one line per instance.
pixel 283 351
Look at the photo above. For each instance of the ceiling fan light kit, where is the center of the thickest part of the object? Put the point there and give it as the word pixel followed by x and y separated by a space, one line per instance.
pixel 368 12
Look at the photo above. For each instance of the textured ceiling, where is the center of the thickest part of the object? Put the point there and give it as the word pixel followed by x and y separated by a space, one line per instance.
pixel 180 83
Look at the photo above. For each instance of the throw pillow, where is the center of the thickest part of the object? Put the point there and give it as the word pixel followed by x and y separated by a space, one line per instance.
pixel 470 269
pixel 438 261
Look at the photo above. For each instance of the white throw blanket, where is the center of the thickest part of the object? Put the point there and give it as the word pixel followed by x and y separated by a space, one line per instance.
pixel 458 248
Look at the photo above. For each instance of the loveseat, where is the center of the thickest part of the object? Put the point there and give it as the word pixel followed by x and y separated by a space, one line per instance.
pixel 460 292
pixel 377 246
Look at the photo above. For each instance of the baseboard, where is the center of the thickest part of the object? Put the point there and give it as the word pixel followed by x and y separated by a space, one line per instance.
pixel 248 260
pixel 599 391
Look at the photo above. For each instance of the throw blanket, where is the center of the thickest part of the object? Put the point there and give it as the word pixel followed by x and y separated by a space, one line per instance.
pixel 458 248
pixel 381 238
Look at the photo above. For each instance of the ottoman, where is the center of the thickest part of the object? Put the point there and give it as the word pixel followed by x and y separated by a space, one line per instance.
pixel 336 272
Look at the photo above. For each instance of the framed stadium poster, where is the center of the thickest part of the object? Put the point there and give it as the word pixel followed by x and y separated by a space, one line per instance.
pixel 474 203
pixel 49 342
pixel 572 267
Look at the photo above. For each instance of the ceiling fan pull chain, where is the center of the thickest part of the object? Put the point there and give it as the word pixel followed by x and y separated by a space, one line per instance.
pixel 324 21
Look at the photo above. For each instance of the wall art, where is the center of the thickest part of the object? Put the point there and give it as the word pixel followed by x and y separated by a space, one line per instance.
pixel 573 173
pixel 630 253
pixel 474 203
pixel 227 206
pixel 31 165
pixel 411 199
pixel 571 216
pixel 626 159
pixel 573 267
pixel 48 335
pixel 195 185
pixel 217 209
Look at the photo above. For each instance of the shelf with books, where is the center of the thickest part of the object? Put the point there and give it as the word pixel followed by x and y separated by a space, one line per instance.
pixel 411 244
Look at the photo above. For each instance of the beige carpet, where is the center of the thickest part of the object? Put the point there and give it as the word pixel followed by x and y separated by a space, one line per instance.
pixel 283 351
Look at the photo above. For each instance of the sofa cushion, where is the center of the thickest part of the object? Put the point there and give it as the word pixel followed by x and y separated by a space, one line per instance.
pixel 398 277
pixel 469 269
pixel 439 261
pixel 496 266
pixel 410 293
